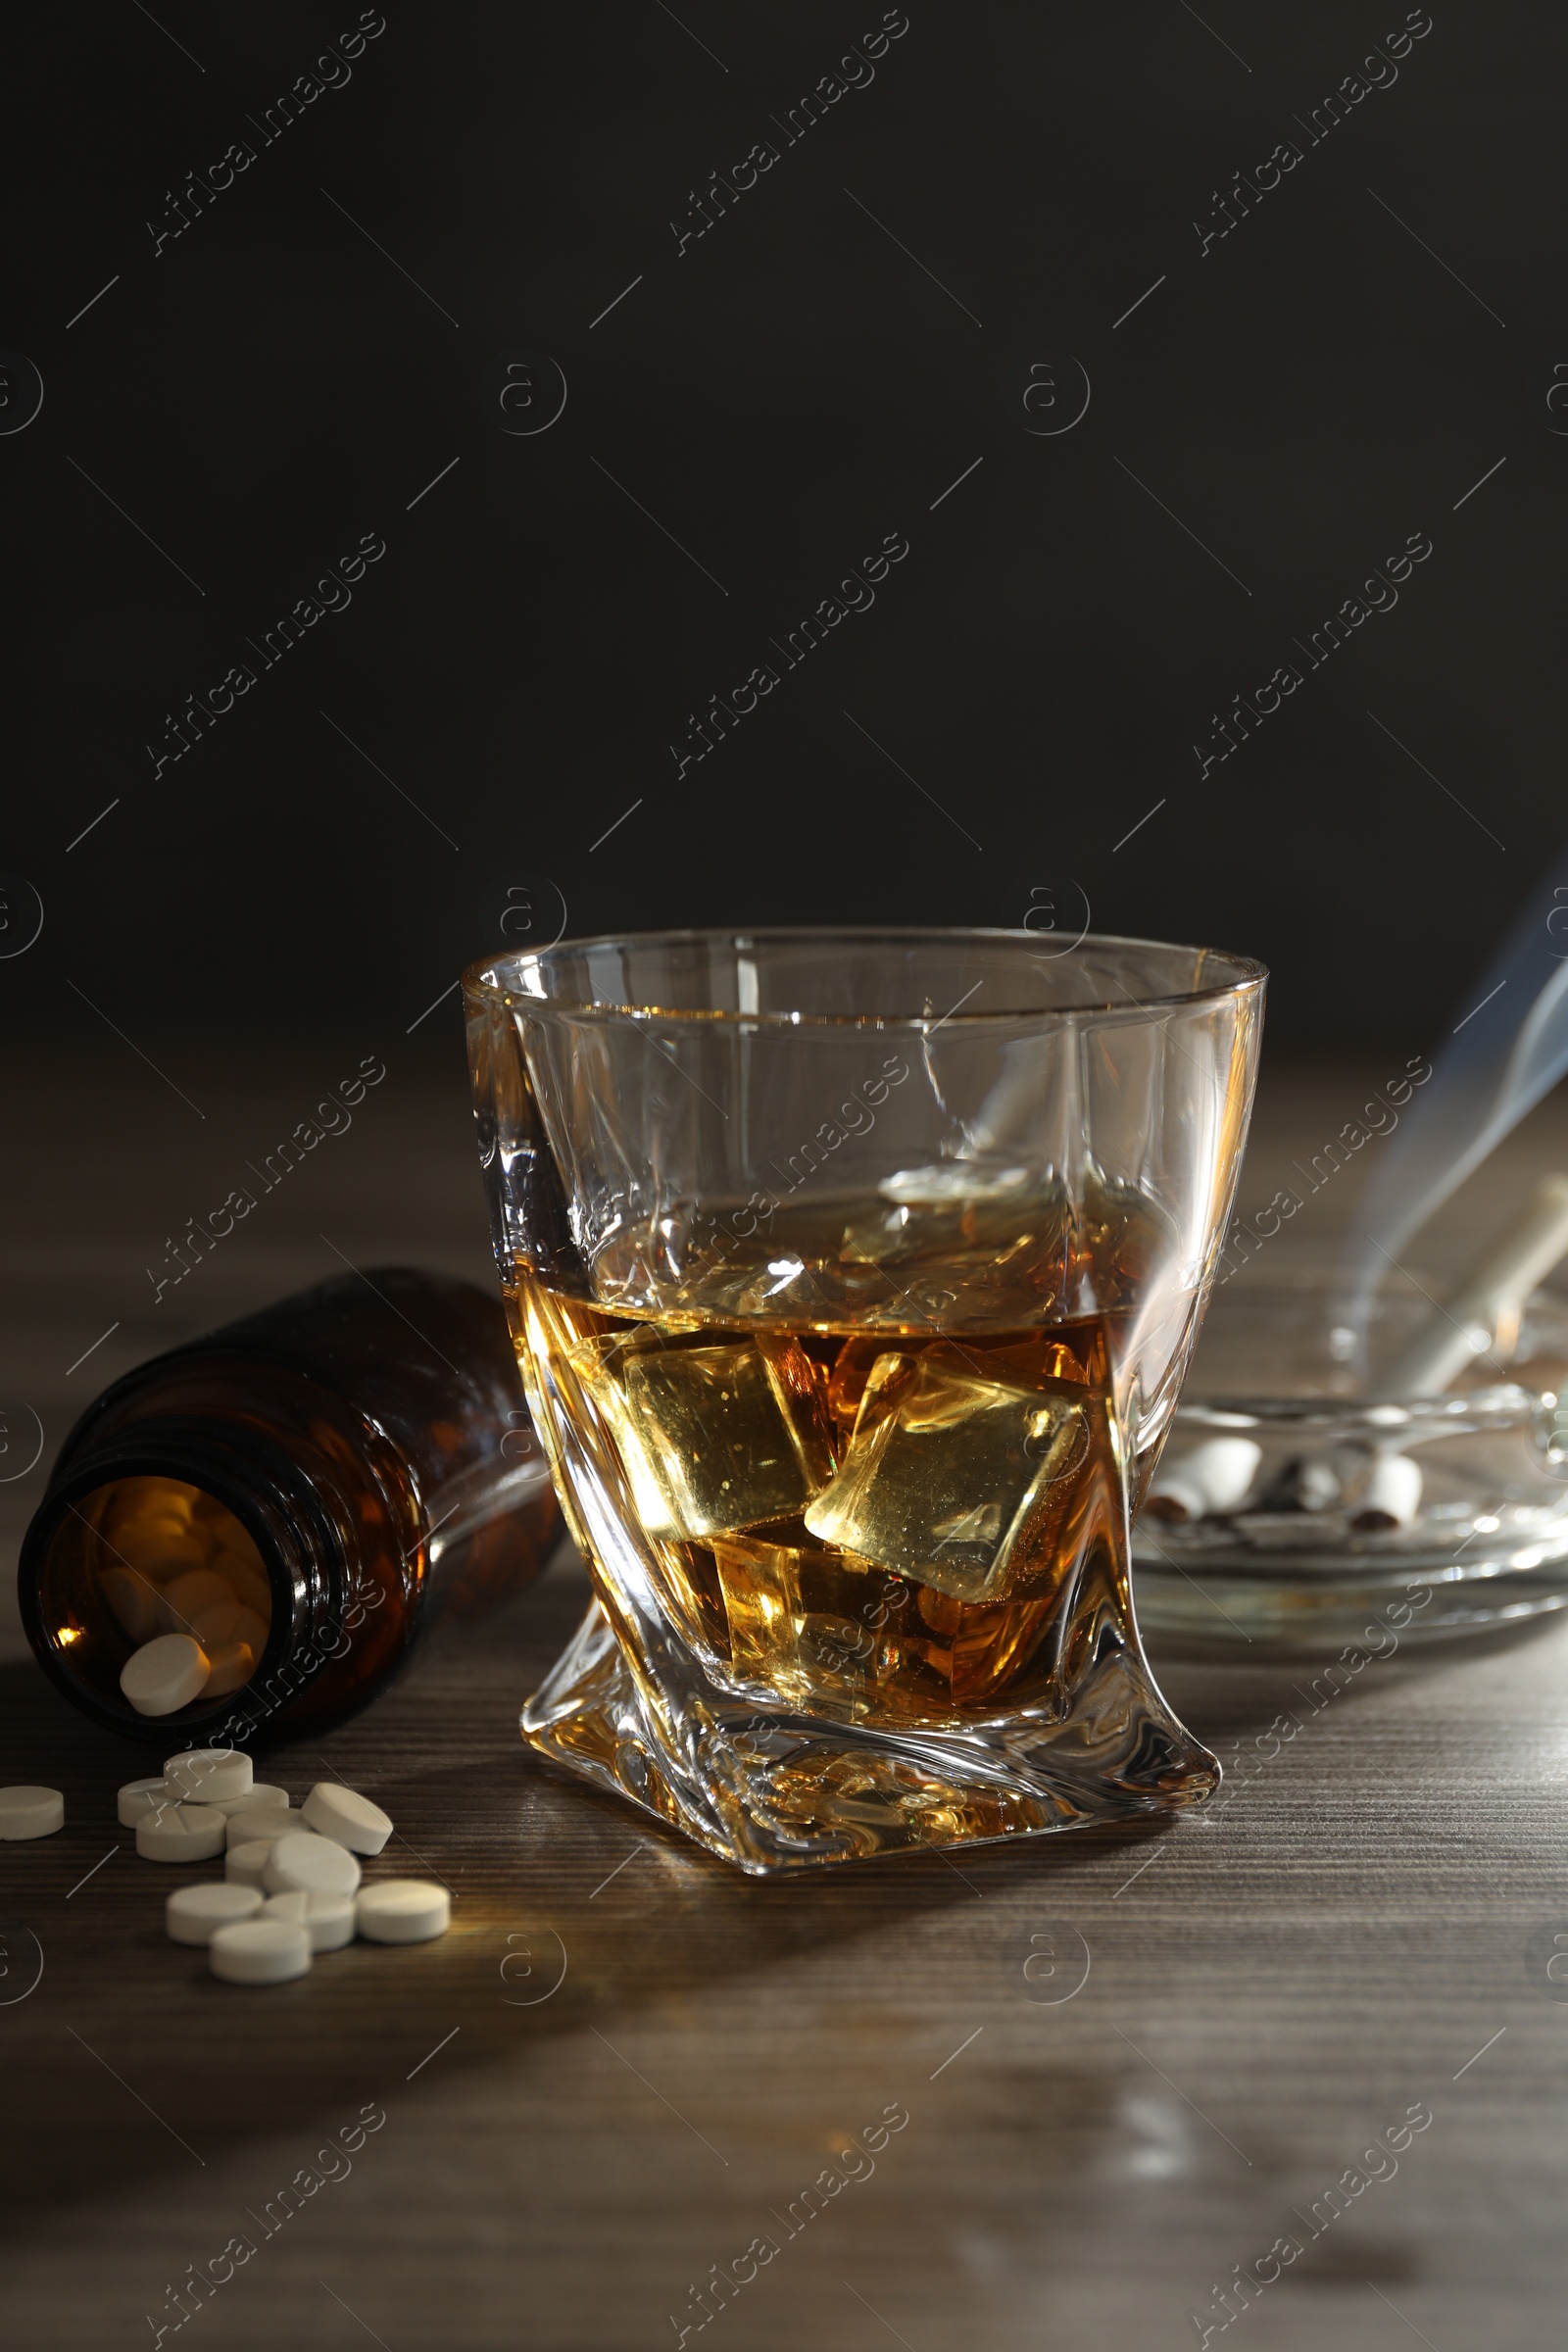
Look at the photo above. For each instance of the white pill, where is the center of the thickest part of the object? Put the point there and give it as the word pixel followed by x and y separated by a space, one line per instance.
pixel 254 1592
pixel 193 1913
pixel 163 1675
pixel 207 1774
pixel 262 1797
pixel 1392 1495
pixel 140 1797
pixel 135 1604
pixel 30 1812
pixel 215 1624
pixel 164 1555
pixel 303 1863
pixel 262 1821
pixel 247 1584
pixel 246 1864
pixel 260 1951
pixel 403 1911
pixel 328 1918
pixel 182 1834
pixel 1213 1476
pixel 197 1590
pixel 229 1665
pixel 267 1824
pixel 347 1817
pixel 250 1628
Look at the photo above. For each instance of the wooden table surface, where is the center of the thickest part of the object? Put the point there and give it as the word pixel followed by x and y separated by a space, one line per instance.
pixel 627 2063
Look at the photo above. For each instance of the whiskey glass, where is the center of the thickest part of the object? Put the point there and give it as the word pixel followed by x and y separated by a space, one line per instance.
pixel 852 1276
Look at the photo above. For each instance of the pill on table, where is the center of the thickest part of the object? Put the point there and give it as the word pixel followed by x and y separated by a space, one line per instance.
pixel 27 1812
pixel 248 1824
pixel 262 1797
pixel 1213 1476
pixel 403 1911
pixel 260 1951
pixel 134 1602
pixel 182 1834
pixel 328 1918
pixel 139 1797
pixel 209 1774
pixel 192 1914
pixel 262 1825
pixel 163 1675
pixel 246 1864
pixel 348 1817
pixel 300 1862
pixel 229 1665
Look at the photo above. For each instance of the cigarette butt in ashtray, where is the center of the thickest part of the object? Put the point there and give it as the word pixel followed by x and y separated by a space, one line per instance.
pixel 1386 1496
pixel 1379 1490
pixel 1379 1487
pixel 1391 1497
pixel 1491 1296
pixel 1214 1476
pixel 1318 1481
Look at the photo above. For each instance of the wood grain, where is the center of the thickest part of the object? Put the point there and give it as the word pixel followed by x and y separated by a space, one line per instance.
pixel 1268 1987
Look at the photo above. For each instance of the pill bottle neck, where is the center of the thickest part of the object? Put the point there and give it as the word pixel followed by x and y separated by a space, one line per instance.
pixel 305 1538
pixel 330 1508
pixel 352 1464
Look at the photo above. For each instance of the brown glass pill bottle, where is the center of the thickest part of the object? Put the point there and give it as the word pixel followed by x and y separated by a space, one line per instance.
pixel 298 1495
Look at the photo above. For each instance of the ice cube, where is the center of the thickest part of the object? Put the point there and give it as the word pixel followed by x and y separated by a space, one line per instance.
pixel 851 1370
pixel 929 1211
pixel 818 1626
pixel 964 1651
pixel 954 1480
pixel 800 1388
pixel 1031 1361
pixel 1044 1356
pixel 891 1374
pixel 807 1622
pixel 716 1437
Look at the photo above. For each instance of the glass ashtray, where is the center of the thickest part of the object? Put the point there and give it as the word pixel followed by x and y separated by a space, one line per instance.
pixel 1299 1555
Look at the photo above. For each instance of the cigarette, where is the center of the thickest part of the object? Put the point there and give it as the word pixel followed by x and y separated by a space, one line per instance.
pixel 1319 1482
pixel 1391 1497
pixel 1212 1478
pixel 1380 1490
pixel 1488 1298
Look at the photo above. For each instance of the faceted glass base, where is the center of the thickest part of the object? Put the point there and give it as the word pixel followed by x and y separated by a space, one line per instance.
pixel 775 1789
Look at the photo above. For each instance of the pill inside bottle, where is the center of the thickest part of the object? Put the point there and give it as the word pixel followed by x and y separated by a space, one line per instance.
pixel 285 1504
pixel 141 1559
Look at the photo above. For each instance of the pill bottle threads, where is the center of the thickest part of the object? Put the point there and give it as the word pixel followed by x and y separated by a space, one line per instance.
pixel 364 1446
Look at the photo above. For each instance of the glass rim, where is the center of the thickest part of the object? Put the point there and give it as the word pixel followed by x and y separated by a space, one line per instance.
pixel 481 982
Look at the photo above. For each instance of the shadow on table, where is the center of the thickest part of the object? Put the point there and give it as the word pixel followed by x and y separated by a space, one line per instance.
pixel 566 1903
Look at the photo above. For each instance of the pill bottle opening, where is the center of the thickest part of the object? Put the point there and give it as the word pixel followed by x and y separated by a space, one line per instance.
pixel 138 1558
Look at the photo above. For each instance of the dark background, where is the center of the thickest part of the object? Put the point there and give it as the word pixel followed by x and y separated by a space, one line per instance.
pixel 231 939
pixel 795 387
